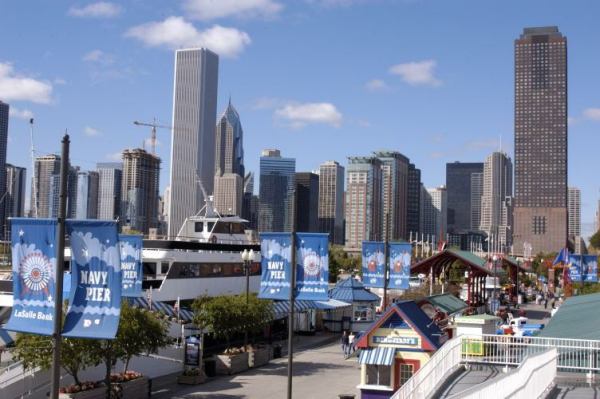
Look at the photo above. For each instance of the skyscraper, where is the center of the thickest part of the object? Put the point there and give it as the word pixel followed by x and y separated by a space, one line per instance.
pixel 435 211
pixel 476 194
pixel 307 202
pixel 497 187
pixel 54 193
pixel 458 186
pixel 277 186
pixel 394 194
pixel 139 190
pixel 110 176
pixel 540 212
pixel 250 202
pixel 574 212
pixel 229 163
pixel 45 167
pixel 14 202
pixel 87 195
pixel 331 197
pixel 413 202
pixel 193 141
pixel 4 108
pixel 363 201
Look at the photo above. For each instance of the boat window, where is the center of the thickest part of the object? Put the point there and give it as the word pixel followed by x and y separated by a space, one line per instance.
pixel 194 270
pixel 198 227
pixel 164 267
pixel 210 225
pixel 149 268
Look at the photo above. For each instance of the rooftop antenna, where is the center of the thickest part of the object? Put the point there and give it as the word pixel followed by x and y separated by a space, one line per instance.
pixel 500 142
pixel 35 187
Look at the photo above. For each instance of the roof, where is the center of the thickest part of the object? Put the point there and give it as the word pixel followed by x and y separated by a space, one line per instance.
pixel 576 318
pixel 476 319
pixel 447 257
pixel 416 319
pixel 447 303
pixel 169 310
pixel 281 309
pixel 351 290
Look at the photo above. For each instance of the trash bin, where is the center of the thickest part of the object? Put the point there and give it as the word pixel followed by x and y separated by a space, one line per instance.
pixel 210 367
pixel 346 396
pixel 276 351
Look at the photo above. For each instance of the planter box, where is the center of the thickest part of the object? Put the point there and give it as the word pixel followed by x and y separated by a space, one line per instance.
pixel 134 389
pixel 191 379
pixel 259 357
pixel 227 364
pixel 97 393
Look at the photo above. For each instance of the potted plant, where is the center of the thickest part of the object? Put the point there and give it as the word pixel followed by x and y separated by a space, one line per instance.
pixel 192 376
pixel 258 355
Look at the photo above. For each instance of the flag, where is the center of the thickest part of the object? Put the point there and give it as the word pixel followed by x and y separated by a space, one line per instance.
pixel 373 264
pixel 312 266
pixel 276 265
pixel 399 265
pixel 562 257
pixel 131 264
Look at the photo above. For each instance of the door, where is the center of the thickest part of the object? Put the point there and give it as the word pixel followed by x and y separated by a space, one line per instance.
pixel 403 370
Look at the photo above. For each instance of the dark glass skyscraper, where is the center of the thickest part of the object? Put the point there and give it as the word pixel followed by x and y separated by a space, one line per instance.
pixel 277 186
pixel 458 191
pixel 307 202
pixel 540 213
pixel 413 201
pixel 3 140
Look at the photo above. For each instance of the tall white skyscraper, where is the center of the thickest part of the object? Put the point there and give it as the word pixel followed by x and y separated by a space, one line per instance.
pixel 193 140
pixel 497 187
pixel 110 175
pixel 435 205
pixel 476 194
pixel 574 212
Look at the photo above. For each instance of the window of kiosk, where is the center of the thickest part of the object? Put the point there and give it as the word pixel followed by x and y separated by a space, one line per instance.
pixel 379 375
pixel 362 313
pixel 406 371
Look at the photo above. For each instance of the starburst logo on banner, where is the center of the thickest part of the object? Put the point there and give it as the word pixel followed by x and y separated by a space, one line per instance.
pixel 35 271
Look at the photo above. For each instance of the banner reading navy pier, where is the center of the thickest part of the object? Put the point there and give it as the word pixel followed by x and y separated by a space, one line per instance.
pixel 131 264
pixel 276 253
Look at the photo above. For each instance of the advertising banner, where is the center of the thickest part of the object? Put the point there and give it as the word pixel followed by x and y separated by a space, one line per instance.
pixel 95 303
pixel 400 256
pixel 373 264
pixel 131 264
pixel 312 266
pixel 276 254
pixel 34 274
pixel 574 268
pixel 193 352
pixel 589 267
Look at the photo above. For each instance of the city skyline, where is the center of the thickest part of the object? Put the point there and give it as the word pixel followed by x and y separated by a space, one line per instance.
pixel 479 127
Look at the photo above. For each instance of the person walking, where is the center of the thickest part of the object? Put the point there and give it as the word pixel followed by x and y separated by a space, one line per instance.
pixel 546 301
pixel 345 342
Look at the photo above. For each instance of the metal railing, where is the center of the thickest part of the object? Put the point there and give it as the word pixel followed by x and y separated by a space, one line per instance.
pixel 532 379
pixel 429 377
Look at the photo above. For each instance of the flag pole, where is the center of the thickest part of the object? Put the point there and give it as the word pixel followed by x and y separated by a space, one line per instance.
pixel 292 300
pixel 60 257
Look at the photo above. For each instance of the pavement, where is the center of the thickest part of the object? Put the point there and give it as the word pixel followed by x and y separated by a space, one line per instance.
pixel 318 372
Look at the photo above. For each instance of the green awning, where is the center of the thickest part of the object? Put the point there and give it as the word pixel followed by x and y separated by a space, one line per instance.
pixel 576 318
pixel 447 303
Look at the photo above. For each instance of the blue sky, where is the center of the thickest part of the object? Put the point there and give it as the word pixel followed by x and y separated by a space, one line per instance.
pixel 318 79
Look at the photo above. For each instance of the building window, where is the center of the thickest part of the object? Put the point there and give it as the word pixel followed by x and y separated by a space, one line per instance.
pixel 378 375
pixel 539 225
pixel 406 371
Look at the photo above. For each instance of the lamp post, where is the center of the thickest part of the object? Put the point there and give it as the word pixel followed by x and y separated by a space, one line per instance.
pixel 495 259
pixel 247 257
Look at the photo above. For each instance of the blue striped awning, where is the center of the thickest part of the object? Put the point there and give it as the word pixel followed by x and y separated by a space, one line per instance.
pixel 162 307
pixel 380 356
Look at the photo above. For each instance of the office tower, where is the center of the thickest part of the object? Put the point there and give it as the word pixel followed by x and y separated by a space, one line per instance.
pixel 434 212
pixel 363 201
pixel 497 187
pixel 250 202
pixel 277 186
pixel 574 212
pixel 331 201
pixel 458 188
pixel 228 194
pixel 476 194
pixel 4 111
pixel 540 140
pixel 110 175
pixel 54 192
pixel 193 141
pixel 139 190
pixel 307 202
pixel 394 167
pixel 413 203
pixel 45 167
pixel 14 201
pixel 87 195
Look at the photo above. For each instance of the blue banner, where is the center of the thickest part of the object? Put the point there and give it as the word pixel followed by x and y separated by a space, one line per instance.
pixel 589 268
pixel 312 266
pixel 131 264
pixel 34 275
pixel 373 264
pixel 276 254
pixel 400 256
pixel 95 303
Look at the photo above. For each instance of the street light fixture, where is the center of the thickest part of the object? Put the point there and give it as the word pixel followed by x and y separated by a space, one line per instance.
pixel 247 258
pixel 495 259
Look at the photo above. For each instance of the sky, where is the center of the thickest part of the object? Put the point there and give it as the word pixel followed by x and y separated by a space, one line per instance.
pixel 318 79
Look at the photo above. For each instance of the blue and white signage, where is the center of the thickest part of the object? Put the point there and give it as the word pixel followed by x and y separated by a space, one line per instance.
pixel 400 256
pixel 131 264
pixel 312 266
pixel 276 254
pixel 34 274
pixel 589 268
pixel 373 264
pixel 95 303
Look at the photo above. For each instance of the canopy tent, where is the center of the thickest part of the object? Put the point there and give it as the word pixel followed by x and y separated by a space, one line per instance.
pixel 184 314
pixel 281 309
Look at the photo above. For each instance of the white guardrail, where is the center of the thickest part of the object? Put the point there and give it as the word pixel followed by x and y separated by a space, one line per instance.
pixel 531 380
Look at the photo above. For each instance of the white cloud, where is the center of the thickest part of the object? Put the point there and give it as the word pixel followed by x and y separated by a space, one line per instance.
pixel 175 32
pixel 592 113
pixel 99 57
pixel 101 9
pixel 20 113
pixel 268 103
pixel 376 85
pixel 300 115
pixel 213 9
pixel 417 73
pixel 91 132
pixel 16 87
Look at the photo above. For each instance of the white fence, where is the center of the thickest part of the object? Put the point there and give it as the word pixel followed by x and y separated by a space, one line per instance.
pixel 532 379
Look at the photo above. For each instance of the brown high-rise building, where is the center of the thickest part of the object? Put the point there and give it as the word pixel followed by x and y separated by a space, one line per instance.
pixel 540 213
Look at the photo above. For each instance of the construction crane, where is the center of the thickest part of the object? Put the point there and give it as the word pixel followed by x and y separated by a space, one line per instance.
pixel 153 125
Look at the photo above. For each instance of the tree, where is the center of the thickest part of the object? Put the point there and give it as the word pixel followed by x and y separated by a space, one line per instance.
pixel 341 262
pixel 595 240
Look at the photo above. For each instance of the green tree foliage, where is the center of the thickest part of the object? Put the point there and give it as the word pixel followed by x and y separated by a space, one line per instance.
pixel 341 262
pixel 595 240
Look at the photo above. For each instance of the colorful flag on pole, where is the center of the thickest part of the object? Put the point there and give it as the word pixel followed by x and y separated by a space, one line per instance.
pixel 312 266
pixel 131 264
pixel 276 260
pixel 373 264
pixel 400 259
pixel 34 275
pixel 562 257
pixel 95 304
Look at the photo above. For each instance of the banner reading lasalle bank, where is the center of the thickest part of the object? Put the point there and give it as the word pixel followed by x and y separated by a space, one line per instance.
pixel 276 254
pixel 95 302
pixel 312 266
pixel 33 273
pixel 131 264
pixel 373 264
